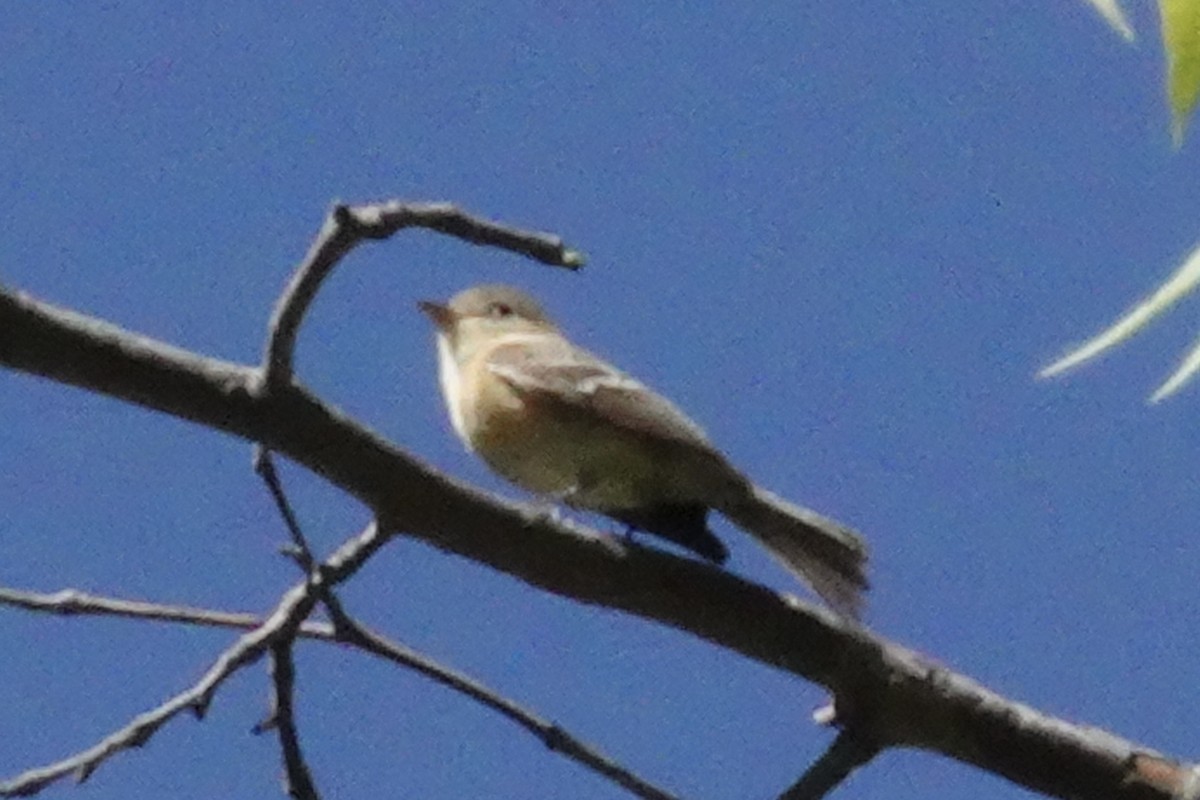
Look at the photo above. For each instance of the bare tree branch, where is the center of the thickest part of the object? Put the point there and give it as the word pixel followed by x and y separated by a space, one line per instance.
pixel 883 691
pixel 557 555
pixel 547 553
pixel 73 603
pixel 298 780
pixel 279 626
pixel 264 467
pixel 847 753
pixel 346 226
pixel 554 737
pixel 349 631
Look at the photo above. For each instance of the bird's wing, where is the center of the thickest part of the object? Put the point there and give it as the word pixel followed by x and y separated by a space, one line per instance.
pixel 573 377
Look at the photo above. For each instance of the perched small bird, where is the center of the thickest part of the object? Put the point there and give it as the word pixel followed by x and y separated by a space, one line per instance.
pixel 562 423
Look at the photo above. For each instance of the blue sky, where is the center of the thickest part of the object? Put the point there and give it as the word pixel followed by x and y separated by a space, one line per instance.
pixel 843 237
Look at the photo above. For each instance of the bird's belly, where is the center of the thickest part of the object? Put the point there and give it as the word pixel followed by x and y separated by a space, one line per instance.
pixel 587 466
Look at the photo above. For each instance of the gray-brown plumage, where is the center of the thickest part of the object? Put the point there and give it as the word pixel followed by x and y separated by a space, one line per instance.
pixel 559 421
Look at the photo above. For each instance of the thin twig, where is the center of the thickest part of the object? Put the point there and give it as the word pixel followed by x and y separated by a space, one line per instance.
pixel 299 782
pixel 264 467
pixel 71 602
pixel 355 634
pixel 280 625
pixel 301 553
pixel 350 631
pixel 247 649
pixel 847 753
pixel 555 738
pixel 346 226
pixel 298 779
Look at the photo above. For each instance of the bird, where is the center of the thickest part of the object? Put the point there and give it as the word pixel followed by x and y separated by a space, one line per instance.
pixel 564 424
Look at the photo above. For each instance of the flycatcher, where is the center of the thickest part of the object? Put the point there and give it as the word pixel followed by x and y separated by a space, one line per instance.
pixel 562 423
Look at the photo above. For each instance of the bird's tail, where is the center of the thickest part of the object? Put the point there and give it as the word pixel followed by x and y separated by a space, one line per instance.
pixel 829 557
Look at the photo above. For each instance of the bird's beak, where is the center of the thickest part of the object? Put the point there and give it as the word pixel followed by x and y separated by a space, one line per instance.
pixel 442 316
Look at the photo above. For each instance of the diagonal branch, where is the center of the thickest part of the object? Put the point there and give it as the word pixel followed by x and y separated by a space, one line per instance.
pixel 559 556
pixel 554 737
pixel 883 690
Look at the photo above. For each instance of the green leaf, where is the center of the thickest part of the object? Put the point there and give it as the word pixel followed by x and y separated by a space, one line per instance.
pixel 1181 40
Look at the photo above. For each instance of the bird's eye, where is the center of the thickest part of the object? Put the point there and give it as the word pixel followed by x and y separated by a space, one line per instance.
pixel 500 310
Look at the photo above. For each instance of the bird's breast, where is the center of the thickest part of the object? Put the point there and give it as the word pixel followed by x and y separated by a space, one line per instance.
pixel 552 448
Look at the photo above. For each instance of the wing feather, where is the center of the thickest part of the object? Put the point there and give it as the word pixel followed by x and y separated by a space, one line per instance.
pixel 575 378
